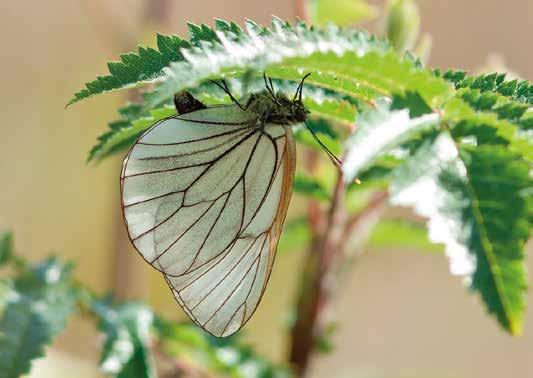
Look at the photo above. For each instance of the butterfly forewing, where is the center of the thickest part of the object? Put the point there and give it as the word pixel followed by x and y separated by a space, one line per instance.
pixel 204 197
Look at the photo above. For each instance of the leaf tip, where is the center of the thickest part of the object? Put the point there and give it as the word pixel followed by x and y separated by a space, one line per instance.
pixel 515 327
pixel 73 100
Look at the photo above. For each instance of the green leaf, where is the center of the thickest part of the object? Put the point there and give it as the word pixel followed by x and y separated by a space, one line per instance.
pixel 199 34
pixel 376 175
pixel 323 131
pixel 341 12
pixel 483 119
pixel 50 287
pixel 124 133
pixel 228 27
pixel 475 199
pixel 126 351
pixel 226 357
pixel 134 69
pixel 346 61
pixel 23 335
pixel 413 102
pixel 324 340
pixel 502 106
pixel 518 90
pixel 308 186
pixel 400 233
pixel 347 67
pixel 36 309
pixel 323 104
pixel 378 132
pixel 295 236
pixel 6 247
pixel 134 120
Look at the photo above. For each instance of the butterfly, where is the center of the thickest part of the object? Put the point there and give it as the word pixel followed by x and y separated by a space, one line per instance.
pixel 204 198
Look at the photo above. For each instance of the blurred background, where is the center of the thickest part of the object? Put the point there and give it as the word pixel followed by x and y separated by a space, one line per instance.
pixel 400 314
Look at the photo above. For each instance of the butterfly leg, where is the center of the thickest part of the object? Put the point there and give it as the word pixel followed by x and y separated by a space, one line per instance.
pixel 224 87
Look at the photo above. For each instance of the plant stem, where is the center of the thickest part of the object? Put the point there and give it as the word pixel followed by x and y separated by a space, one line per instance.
pixel 314 294
pixel 325 264
pixel 301 9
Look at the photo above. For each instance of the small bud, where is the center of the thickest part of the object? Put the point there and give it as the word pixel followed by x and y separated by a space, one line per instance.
pixel 403 24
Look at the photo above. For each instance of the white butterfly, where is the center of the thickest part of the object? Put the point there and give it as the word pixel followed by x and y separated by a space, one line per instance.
pixel 204 196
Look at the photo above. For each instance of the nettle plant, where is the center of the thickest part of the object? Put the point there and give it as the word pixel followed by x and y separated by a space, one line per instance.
pixel 454 148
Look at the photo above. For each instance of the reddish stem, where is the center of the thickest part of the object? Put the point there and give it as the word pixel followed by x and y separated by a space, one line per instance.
pixel 325 261
pixel 301 9
pixel 314 294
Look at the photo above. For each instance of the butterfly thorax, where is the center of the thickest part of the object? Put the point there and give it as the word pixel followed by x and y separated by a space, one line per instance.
pixel 276 108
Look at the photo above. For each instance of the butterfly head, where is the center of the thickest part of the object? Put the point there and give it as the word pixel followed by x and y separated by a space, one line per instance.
pixel 286 110
pixel 277 108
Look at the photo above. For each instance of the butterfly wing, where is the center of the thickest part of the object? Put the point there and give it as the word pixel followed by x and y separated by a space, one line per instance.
pixel 204 197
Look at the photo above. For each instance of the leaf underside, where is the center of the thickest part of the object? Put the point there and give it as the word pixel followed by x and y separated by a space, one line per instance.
pixel 481 217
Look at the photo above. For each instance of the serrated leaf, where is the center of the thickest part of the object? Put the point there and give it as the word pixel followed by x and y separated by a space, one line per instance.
pixel 134 121
pixel 324 104
pixel 475 201
pixel 413 102
pixel 345 61
pixel 503 107
pixel 519 90
pixel 199 34
pixel 228 27
pixel 124 133
pixel 378 132
pixel 490 125
pixel 133 69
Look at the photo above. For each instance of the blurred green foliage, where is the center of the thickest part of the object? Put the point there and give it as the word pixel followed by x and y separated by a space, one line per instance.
pixel 341 12
pixel 37 299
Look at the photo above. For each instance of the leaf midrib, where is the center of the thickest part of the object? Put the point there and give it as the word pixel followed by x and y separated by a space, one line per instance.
pixel 487 246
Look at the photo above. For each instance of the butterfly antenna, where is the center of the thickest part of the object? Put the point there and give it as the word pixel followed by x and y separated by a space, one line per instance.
pixel 225 89
pixel 270 88
pixel 296 93
pixel 271 84
pixel 331 155
pixel 299 90
pixel 266 82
